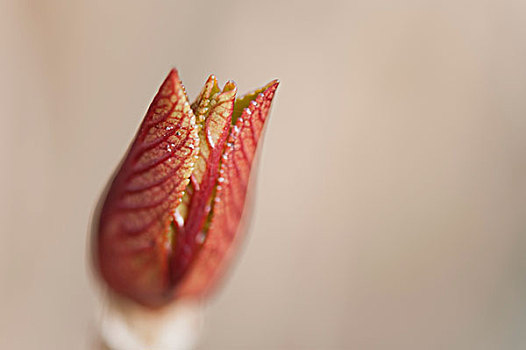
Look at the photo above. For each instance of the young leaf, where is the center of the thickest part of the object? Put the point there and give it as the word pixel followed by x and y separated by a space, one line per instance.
pixel 223 236
pixel 134 241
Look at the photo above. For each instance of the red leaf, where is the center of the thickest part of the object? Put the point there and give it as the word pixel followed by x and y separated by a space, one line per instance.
pixel 134 242
pixel 223 236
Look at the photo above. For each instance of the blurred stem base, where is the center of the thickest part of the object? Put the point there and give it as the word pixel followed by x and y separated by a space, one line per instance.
pixel 125 325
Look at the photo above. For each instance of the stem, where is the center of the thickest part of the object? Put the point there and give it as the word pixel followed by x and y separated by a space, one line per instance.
pixel 126 325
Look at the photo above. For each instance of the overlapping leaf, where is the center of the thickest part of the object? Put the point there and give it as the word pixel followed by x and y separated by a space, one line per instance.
pixel 170 221
pixel 223 236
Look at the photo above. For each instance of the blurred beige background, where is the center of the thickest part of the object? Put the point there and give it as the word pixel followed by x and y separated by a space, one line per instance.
pixel 392 185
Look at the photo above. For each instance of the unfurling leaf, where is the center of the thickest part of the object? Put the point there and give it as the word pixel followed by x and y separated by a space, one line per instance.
pixel 170 220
